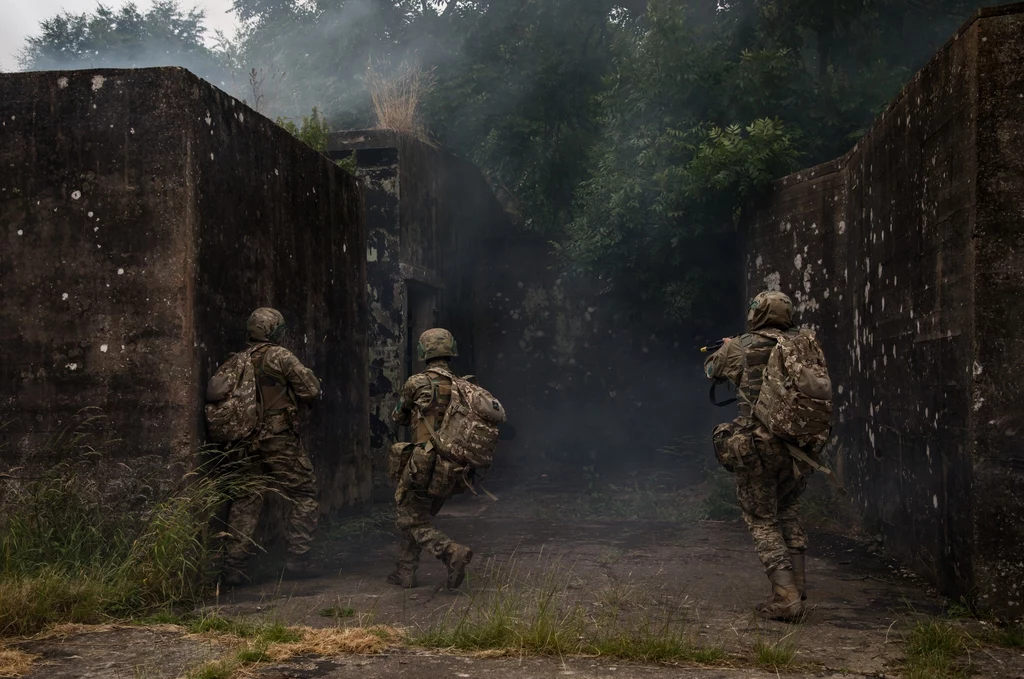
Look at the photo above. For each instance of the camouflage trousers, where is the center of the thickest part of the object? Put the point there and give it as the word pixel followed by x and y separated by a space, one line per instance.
pixel 769 493
pixel 412 517
pixel 284 461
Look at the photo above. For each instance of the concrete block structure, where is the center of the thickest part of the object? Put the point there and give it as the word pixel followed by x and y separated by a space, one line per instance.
pixel 143 215
pixel 907 256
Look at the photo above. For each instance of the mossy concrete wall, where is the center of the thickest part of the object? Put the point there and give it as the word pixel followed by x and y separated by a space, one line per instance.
pixel 906 256
pixel 143 215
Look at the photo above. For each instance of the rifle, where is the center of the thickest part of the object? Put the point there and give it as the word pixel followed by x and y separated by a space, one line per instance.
pixel 712 348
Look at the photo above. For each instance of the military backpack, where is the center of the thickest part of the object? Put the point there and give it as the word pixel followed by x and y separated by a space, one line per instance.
pixel 233 408
pixel 795 402
pixel 468 433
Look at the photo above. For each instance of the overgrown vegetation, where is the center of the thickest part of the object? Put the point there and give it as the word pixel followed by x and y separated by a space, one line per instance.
pixel 535 611
pixel 631 134
pixel 937 649
pixel 90 538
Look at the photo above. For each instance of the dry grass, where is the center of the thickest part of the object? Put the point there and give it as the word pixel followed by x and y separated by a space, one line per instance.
pixel 396 94
pixel 337 641
pixel 254 643
pixel 15 663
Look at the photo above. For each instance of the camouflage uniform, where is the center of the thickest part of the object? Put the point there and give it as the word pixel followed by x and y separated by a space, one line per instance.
pixel 283 382
pixel 422 404
pixel 769 481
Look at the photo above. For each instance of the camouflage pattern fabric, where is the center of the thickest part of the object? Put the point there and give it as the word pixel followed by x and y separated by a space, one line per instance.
pixel 284 382
pixel 412 517
pixel 436 343
pixel 769 481
pixel 768 488
pixel 424 395
pixel 290 474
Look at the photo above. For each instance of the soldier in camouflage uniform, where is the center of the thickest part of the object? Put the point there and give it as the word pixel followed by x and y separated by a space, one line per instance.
pixel 769 480
pixel 283 383
pixel 421 406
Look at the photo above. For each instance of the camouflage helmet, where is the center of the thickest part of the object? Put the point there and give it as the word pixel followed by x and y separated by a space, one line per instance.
pixel 436 343
pixel 772 309
pixel 265 325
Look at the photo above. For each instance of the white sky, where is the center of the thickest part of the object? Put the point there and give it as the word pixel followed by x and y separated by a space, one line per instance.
pixel 21 18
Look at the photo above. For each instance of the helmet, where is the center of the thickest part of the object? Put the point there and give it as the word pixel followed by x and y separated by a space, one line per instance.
pixel 772 309
pixel 435 343
pixel 265 325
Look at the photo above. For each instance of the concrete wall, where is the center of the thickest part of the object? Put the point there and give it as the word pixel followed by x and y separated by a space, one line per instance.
pixel 144 214
pixel 902 255
pixel 425 212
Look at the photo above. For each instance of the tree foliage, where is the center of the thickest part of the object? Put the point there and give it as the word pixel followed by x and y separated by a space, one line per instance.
pixel 165 35
pixel 632 133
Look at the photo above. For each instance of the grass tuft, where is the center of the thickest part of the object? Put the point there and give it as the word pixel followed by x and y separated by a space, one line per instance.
pixel 934 650
pixel 775 655
pixel 338 612
pixel 1008 636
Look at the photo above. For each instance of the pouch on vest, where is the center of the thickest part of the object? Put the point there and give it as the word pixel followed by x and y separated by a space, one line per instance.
pixel 734 449
pixel 421 466
pixel 446 479
pixel 398 458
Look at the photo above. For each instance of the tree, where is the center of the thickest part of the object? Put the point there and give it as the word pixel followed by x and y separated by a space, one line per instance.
pixel 126 38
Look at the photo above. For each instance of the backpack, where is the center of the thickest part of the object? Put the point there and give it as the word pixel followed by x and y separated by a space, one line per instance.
pixel 795 403
pixel 233 407
pixel 468 433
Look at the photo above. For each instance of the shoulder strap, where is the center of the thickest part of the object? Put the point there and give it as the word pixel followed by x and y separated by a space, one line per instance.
pixel 770 333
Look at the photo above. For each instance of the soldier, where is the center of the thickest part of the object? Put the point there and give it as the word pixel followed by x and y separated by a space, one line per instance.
pixel 283 383
pixel 770 477
pixel 421 406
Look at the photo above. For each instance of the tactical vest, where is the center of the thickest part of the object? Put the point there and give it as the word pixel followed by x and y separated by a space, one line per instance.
pixel 275 395
pixel 756 351
pixel 434 413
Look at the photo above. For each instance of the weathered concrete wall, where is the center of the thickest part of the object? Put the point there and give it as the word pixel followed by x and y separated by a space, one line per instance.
pixel 145 214
pixel 425 212
pixel 901 255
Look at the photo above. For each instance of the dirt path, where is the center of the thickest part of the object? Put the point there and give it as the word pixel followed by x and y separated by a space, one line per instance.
pixel 702 572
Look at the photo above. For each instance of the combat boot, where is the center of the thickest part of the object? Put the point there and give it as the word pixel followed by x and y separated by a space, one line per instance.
pixel 457 557
pixel 300 568
pixel 403 579
pixel 785 604
pixel 799 573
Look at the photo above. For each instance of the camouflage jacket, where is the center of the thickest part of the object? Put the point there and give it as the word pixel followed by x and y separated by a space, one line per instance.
pixel 424 400
pixel 284 383
pixel 742 362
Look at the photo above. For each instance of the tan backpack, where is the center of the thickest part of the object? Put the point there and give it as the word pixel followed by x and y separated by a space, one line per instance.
pixel 795 403
pixel 468 433
pixel 232 399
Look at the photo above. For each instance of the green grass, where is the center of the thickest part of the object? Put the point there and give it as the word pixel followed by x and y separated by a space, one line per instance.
pixel 534 612
pixel 774 655
pixel 936 649
pixel 218 669
pixel 267 631
pixel 1009 636
pixel 338 612
pixel 720 502
pixel 92 539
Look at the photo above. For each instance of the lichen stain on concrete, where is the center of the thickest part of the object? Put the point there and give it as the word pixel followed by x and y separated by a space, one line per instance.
pixel 97 82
